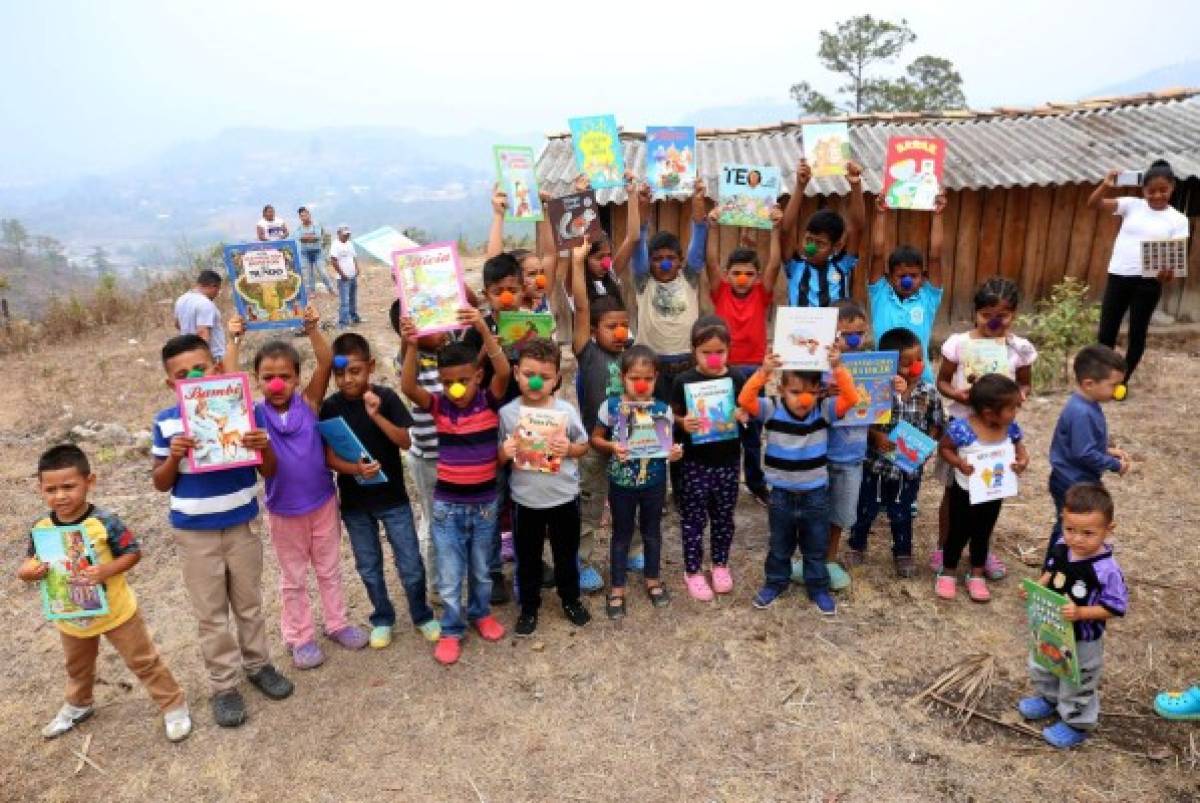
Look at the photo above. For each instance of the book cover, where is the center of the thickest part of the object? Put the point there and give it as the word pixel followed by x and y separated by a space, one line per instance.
pixel 803 336
pixel 671 160
pixel 639 430
pixel 746 194
pixel 826 147
pixel 216 412
pixel 872 372
pixel 535 427
pixel 338 436
pixel 598 154
pixel 514 171
pixel 913 446
pixel 572 216
pixel 1051 638
pixel 912 173
pixel 66 591
pixel 1160 255
pixel 516 328
pixel 985 355
pixel 993 477
pixel 714 404
pixel 429 284
pixel 268 289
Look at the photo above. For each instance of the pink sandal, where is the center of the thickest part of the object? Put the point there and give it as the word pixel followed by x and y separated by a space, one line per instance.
pixel 722 580
pixel 698 587
pixel 945 586
pixel 977 590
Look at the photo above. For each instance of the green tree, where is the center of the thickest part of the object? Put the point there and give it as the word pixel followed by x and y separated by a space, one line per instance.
pixel 100 262
pixel 17 238
pixel 416 234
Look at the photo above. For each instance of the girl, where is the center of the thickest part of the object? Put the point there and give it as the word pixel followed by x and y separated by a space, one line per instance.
pixel 637 485
pixel 711 456
pixel 994 400
pixel 538 272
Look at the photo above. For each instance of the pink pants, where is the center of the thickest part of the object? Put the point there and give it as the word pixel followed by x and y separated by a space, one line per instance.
pixel 300 541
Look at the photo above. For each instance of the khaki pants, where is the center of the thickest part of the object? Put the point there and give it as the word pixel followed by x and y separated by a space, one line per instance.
pixel 132 642
pixel 222 571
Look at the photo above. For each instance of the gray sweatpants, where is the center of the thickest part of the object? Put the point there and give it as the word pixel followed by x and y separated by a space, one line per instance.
pixel 1078 706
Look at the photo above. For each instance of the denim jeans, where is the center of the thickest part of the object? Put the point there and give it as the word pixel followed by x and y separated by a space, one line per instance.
pixel 894 496
pixel 423 473
pixel 631 506
pixel 363 527
pixel 751 434
pixel 798 517
pixel 347 301
pixel 495 563
pixel 463 535
pixel 314 270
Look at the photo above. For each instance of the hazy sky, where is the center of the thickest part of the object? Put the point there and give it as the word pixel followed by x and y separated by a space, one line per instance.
pixel 98 85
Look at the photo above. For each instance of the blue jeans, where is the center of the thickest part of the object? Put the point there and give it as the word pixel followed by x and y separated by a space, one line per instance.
pixel 895 496
pixel 798 518
pixel 462 534
pixel 347 301
pixel 632 506
pixel 363 527
pixel 495 563
pixel 314 270
pixel 751 433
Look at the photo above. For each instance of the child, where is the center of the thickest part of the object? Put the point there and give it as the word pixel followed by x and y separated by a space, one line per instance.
pixel 637 490
pixel 710 470
pixel 464 496
pixel 65 479
pixel 995 400
pixel 538 272
pixel 1082 569
pixel 883 482
pixel 221 556
pixel 547 504
pixel 795 458
pixel 341 256
pixel 381 422
pixel 821 276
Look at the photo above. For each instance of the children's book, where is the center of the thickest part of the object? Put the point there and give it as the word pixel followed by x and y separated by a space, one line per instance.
pixel 516 328
pixel 714 404
pixel 993 477
pixel 912 174
pixel 216 413
pixel 514 171
pixel 268 288
pixel 745 195
pixel 535 426
pixel 826 147
pixel 1160 255
pixel 670 160
pixel 1051 638
pixel 803 336
pixel 913 446
pixel 345 444
pixel 572 216
pixel 429 283
pixel 872 372
pixel 598 150
pixel 66 591
pixel 985 355
pixel 644 434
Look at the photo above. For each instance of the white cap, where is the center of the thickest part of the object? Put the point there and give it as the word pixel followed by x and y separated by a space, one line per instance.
pixel 343 229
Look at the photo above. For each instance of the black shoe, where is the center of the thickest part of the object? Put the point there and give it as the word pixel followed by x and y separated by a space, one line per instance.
pixel 547 576
pixel 578 614
pixel 763 494
pixel 229 709
pixel 271 683
pixel 526 624
pixel 499 590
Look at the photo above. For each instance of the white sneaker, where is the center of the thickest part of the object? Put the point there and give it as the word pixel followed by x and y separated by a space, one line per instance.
pixel 178 723
pixel 67 718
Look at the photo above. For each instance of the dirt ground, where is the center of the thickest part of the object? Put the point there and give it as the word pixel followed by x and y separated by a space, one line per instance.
pixel 699 701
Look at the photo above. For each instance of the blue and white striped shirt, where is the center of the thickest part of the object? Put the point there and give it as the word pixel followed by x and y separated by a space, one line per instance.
pixel 797 449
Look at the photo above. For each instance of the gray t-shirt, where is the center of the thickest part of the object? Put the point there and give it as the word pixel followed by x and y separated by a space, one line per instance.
pixel 599 378
pixel 193 309
pixel 537 489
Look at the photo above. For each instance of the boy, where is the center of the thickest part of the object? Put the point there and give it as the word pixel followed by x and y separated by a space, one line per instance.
pixel 821 276
pixel 381 422
pixel 885 484
pixel 547 504
pixel 464 496
pixel 196 313
pixel 65 479
pixel 1081 568
pixel 221 556
pixel 341 256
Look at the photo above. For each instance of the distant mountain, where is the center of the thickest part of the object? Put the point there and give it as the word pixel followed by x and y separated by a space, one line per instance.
pixel 763 111
pixel 1185 73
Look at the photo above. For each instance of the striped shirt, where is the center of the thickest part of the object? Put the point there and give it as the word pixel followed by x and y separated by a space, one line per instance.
pixel 468 448
pixel 797 449
pixel 423 431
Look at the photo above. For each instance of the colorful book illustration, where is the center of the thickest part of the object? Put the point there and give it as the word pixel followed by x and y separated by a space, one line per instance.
pixel 993 477
pixel 826 147
pixel 714 404
pixel 985 355
pixel 514 171
pixel 216 413
pixel 535 427
pixel 912 173
pixel 572 216
pixel 516 328
pixel 345 444
pixel 670 160
pixel 803 336
pixel 639 430
pixel 872 372
pixel 268 289
pixel 1160 255
pixel 66 591
pixel 598 150
pixel 429 283
pixel 745 195
pixel 913 447
pixel 1051 638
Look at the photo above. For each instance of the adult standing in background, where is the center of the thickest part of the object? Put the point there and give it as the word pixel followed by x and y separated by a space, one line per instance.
pixel 196 313
pixel 271 227
pixel 341 254
pixel 312 250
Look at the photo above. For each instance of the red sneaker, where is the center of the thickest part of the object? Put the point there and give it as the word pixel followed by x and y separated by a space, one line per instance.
pixel 489 628
pixel 447 651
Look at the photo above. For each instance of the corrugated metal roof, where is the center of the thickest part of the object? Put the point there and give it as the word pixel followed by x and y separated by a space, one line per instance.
pixel 1049 145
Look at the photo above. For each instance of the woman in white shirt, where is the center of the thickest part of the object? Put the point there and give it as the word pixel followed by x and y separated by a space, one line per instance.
pixel 1150 217
pixel 270 227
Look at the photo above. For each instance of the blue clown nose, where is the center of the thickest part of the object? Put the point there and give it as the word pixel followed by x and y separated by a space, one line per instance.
pixel 854 340
pixel 994 323
pixel 906 283
pixel 666 265
pixel 340 362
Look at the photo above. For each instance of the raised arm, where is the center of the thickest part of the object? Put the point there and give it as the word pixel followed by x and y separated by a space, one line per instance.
pixel 582 330
pixel 695 261
pixel 712 255
pixel 318 383
pixel 408 370
pixel 791 214
pixel 234 329
pixel 633 225
pixel 878 241
pixel 936 237
pixel 1097 199
pixel 549 253
pixel 856 211
pixel 495 243
pixel 775 254
pixel 500 366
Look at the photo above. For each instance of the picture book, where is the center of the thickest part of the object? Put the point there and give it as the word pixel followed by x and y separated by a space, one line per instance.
pixel 572 216
pixel 714 404
pixel 1051 638
pixel 745 195
pixel 670 160
pixel 993 477
pixel 913 446
pixel 912 173
pixel 514 171
pixel 66 591
pixel 345 444
pixel 644 434
pixel 984 355
pixel 268 288
pixel 872 372
pixel 535 427
pixel 1160 255
pixel 515 328
pixel 803 336
pixel 216 412
pixel 598 150
pixel 429 283
pixel 826 147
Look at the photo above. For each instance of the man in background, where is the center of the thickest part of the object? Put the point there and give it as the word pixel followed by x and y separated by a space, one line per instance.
pixel 196 313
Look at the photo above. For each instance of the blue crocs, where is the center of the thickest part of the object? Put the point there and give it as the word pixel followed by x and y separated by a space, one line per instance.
pixel 1035 707
pixel 1063 736
pixel 590 580
pixel 1179 706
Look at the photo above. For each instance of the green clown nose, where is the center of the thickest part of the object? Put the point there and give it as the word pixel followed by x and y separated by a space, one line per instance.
pixel 810 249
pixel 195 373
pixel 535 383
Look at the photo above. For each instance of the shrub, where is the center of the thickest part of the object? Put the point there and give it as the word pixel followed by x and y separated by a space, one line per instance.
pixel 1061 324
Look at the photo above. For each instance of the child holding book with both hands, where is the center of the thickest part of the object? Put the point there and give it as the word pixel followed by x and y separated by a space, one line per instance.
pixel 821 276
